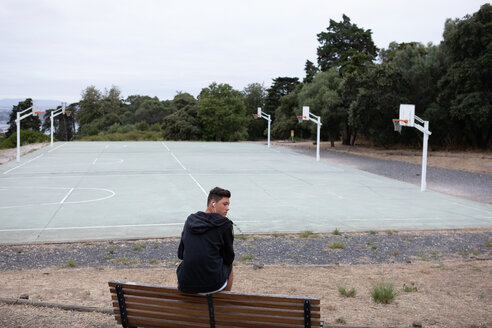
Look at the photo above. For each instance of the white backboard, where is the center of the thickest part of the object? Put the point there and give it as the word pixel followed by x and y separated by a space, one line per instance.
pixel 407 112
pixel 259 111
pixel 305 112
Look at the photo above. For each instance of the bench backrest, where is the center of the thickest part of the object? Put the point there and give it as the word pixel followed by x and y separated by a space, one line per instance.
pixel 157 306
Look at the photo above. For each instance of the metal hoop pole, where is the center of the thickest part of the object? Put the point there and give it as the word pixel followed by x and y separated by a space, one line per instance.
pixel 423 181
pixel 318 138
pixel 17 122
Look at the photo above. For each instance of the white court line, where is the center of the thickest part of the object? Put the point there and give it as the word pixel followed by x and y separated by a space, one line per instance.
pixel 64 199
pixel 198 184
pixel 49 151
pixel 165 146
pixel 177 160
pixel 106 227
pixel 94 162
pixel 111 194
pixel 473 208
pixel 22 164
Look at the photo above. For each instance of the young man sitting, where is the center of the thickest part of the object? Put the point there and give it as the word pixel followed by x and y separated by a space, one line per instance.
pixel 206 247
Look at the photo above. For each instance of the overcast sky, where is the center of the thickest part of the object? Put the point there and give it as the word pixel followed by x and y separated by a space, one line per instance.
pixel 53 49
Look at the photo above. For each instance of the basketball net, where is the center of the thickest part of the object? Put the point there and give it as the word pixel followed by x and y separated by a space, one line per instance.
pixel 397 124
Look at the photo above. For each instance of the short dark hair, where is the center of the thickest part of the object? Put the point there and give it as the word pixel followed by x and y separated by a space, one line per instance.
pixel 217 194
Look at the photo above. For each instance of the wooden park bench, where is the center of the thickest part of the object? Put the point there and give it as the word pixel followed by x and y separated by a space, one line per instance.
pixel 143 305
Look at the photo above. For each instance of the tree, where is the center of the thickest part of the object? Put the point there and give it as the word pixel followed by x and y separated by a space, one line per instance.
pixel 153 111
pixel 254 97
pixel 222 113
pixel 63 124
pixel 90 106
pixel 380 92
pixel 281 86
pixel 311 70
pixel 29 123
pixel 465 89
pixel 323 99
pixel 346 47
pixel 183 124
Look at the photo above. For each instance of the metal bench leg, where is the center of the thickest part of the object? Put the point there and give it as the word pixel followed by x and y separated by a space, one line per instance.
pixel 307 314
pixel 211 310
pixel 122 305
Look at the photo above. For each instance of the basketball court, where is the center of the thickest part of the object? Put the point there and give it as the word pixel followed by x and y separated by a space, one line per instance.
pixel 105 190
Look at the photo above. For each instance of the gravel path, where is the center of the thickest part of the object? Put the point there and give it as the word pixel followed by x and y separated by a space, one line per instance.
pixel 301 249
pixel 473 186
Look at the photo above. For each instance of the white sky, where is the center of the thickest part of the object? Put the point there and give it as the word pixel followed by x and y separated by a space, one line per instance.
pixel 53 49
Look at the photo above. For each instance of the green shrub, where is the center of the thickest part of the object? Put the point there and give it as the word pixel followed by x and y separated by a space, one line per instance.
pixel 383 292
pixel 336 232
pixel 308 234
pixel 347 293
pixel 337 245
pixel 27 137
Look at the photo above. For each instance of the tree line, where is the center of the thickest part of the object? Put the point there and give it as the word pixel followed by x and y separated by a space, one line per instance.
pixel 355 87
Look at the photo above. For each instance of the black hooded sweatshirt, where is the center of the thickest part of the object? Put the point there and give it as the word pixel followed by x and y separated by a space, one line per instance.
pixel 207 253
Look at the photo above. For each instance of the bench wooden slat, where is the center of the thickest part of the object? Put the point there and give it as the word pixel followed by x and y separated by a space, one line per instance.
pixel 217 302
pixel 160 306
pixel 174 306
pixel 202 317
pixel 226 295
pixel 218 324
pixel 298 305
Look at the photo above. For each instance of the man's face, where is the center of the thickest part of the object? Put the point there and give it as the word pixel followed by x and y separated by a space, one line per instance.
pixel 222 206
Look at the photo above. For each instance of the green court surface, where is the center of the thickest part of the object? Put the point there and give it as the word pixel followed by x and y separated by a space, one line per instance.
pixel 109 190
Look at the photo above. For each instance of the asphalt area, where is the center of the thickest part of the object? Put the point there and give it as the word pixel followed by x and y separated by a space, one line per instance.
pixel 109 190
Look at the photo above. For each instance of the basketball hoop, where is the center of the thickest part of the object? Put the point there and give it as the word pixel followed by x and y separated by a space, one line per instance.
pixel 301 118
pixel 68 112
pixel 37 113
pixel 397 124
pixel 255 116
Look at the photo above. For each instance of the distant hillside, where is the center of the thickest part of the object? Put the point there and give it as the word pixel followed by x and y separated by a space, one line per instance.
pixel 6 104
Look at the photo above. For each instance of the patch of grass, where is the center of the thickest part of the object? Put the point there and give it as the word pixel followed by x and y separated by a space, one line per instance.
pixel 407 239
pixel 255 238
pixel 247 257
pixel 139 247
pixel 464 254
pixel 337 245
pixel 69 264
pixel 112 250
pixel 341 320
pixel 242 237
pixel 347 293
pixel 383 292
pixel 411 288
pixel 153 261
pixel 488 245
pixel 372 244
pixel 308 234
pixel 126 261
pixel 336 232
pixel 396 252
pixel 278 234
pixel 156 245
pixel 373 232
pixel 389 232
pixel 476 253
pixel 107 257
pixel 374 247
pixel 423 258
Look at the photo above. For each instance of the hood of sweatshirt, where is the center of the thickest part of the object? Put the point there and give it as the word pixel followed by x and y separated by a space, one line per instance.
pixel 201 222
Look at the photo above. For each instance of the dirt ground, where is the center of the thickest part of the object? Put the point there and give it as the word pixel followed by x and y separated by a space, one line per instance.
pixel 470 161
pixel 448 294
pixel 7 155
